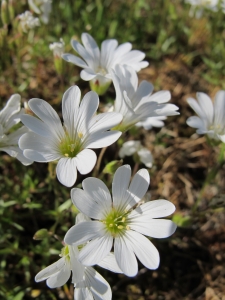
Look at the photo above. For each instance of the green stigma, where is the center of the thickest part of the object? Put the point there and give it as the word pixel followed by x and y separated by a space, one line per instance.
pixel 116 222
pixel 69 147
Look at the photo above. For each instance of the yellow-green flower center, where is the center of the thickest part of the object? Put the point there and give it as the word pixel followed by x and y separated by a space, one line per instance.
pixel 116 222
pixel 71 147
pixel 217 128
pixel 65 252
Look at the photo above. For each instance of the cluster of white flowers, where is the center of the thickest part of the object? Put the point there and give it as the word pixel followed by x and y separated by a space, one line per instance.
pixel 105 222
pixel 27 21
pixel 122 221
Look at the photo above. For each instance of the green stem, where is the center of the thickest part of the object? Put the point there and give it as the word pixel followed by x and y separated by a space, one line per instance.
pixel 96 171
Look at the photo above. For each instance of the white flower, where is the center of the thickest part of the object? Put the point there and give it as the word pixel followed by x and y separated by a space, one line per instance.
pixel 88 283
pixel 198 6
pixel 57 48
pixel 119 221
pixel 70 143
pixel 130 147
pixel 42 7
pixel 9 116
pixel 97 64
pixel 27 21
pixel 152 122
pixel 136 103
pixel 211 117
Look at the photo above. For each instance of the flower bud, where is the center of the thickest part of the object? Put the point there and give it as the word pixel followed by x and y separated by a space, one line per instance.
pixel 11 7
pixel 58 49
pixel 4 12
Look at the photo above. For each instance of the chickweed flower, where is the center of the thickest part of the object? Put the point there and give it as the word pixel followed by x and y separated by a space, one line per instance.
pixel 211 116
pixel 136 103
pixel 131 147
pixel 42 7
pixel 97 64
pixel 9 116
pixel 27 21
pixel 88 283
pixel 120 221
pixel 58 49
pixel 68 143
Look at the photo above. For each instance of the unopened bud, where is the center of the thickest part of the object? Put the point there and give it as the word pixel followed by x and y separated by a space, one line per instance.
pixel 41 234
pixel 4 12
pixel 11 7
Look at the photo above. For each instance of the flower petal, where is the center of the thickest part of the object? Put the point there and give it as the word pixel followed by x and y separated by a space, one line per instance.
pixel 129 148
pixel 48 115
pixel 154 228
pixel 91 46
pixel 153 209
pixel 196 122
pixel 45 146
pixel 37 126
pixel 50 270
pixel 125 257
pixel 120 184
pixel 104 121
pixel 85 161
pixel 11 108
pixel 96 250
pixel 137 189
pixel 87 109
pixel 60 278
pixel 74 60
pixel 66 171
pixel 98 285
pixel 206 105
pixel 83 53
pixel 76 267
pixel 144 249
pixel 110 263
pixel 121 50
pixel 219 106
pixel 70 109
pixel 82 293
pixel 142 94
pixel 88 74
pixel 102 139
pixel 94 286
pixel 83 232
pixel 88 205
pixel 161 97
pixel 107 50
pixel 99 193
pixel 145 157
